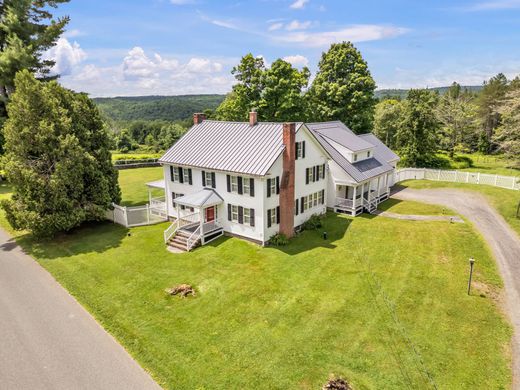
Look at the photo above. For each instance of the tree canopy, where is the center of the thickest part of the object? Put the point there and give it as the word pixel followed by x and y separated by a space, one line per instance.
pixel 57 158
pixel 343 88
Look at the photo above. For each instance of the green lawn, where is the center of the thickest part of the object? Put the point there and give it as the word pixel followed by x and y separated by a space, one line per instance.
pixel 382 302
pixel 494 165
pixel 413 208
pixel 133 188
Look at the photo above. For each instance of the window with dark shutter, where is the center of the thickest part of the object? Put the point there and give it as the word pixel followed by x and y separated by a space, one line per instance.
pixel 190 177
pixel 171 174
pixel 181 178
pixel 240 214
pixel 228 180
pixel 173 199
pixel 301 205
pixel 252 217
pixel 240 186
pixel 213 182
pixel 306 175
pixel 252 187
pixel 322 196
pixel 303 149
pixel 314 173
pixel 203 179
pixel 297 150
pixel 277 214
pixel 229 212
pixel 323 172
pixel 269 218
pixel 277 184
pixel 296 208
pixel 268 188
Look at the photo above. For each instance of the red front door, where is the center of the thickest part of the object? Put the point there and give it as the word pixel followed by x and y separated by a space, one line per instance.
pixel 210 214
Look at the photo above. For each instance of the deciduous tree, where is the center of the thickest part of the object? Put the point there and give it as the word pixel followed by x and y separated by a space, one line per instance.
pixel 507 135
pixel 387 119
pixel 343 88
pixel 57 158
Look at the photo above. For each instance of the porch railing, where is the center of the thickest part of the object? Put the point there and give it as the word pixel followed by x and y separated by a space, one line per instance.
pixel 170 232
pixel 186 220
pixel 192 239
pixel 210 226
pixel 342 202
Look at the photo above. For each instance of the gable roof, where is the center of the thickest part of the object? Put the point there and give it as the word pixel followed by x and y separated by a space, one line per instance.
pixel 381 150
pixel 229 146
pixel 338 132
pixel 359 171
pixel 202 198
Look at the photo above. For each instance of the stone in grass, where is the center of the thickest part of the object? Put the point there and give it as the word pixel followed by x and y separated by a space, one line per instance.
pixel 336 384
pixel 182 289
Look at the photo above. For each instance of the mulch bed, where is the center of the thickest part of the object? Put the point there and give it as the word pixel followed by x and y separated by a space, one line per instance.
pixel 182 289
pixel 337 384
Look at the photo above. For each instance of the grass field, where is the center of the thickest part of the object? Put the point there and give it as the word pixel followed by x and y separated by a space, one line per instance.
pixel 133 188
pixel 490 164
pixel 382 302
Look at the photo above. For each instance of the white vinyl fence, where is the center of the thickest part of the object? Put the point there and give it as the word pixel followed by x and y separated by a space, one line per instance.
pixel 136 216
pixel 509 182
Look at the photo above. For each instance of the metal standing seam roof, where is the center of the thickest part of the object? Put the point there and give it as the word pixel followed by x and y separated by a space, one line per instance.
pixel 229 146
pixel 338 132
pixel 204 197
pixel 360 171
pixel 381 150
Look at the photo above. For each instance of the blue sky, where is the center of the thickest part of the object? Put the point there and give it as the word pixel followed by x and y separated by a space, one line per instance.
pixel 171 47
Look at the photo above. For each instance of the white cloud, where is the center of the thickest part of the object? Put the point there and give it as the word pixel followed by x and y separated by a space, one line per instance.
pixel 297 60
pixel 299 4
pixel 141 74
pixel 297 25
pixel 224 24
pixel 66 55
pixel 356 33
pixel 73 33
pixel 275 26
pixel 495 5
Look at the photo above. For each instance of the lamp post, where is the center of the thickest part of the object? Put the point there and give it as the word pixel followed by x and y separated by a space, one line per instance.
pixel 471 262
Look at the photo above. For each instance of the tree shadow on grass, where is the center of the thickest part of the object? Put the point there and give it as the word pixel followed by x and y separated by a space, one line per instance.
pixel 334 225
pixel 89 237
pixel 389 203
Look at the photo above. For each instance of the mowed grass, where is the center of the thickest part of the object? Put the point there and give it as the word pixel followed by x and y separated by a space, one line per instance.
pixel 133 185
pixel 382 302
pixel 505 201
pixel 413 208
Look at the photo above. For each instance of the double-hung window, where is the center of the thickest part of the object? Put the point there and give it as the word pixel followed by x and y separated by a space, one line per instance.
pixel 320 197
pixel 355 157
pixel 368 154
pixel 245 186
pixel 272 216
pixel 234 184
pixel 273 186
pixel 310 175
pixel 315 199
pixel 186 175
pixel 321 172
pixel 234 213
pixel 247 216
pixel 175 174
pixel 305 203
pixel 209 179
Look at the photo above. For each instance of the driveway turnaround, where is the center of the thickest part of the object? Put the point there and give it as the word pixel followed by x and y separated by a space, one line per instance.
pixel 48 340
pixel 504 243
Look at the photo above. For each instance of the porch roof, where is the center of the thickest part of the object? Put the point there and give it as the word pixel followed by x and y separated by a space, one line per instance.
pixel 156 184
pixel 204 198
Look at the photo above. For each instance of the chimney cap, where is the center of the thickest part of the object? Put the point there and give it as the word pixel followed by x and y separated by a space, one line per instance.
pixel 253 118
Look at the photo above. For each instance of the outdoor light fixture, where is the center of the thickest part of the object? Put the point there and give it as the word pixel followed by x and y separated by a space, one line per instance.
pixel 471 262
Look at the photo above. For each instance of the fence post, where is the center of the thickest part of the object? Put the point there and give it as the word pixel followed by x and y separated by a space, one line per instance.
pixel 148 213
pixel 478 177
pixel 496 180
pixel 513 180
pixel 125 213
pixel 467 177
pixel 439 176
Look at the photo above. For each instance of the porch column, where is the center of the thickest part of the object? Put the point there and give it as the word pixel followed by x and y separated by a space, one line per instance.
pixel 201 218
pixel 354 198
pixel 379 186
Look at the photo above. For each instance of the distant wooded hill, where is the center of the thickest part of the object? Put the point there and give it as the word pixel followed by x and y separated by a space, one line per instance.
pixel 402 93
pixel 173 108
pixel 169 108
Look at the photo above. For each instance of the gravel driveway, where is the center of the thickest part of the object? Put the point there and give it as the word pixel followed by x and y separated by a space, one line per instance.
pixel 504 243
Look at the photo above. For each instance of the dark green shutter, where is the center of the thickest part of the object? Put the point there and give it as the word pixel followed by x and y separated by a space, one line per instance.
pixel 252 187
pixel 203 179
pixel 277 214
pixel 269 218
pixel 296 208
pixel 303 149
pixel 240 214
pixel 252 217
pixel 322 196
pixel 171 173
pixel 323 172
pixel 240 185
pixel 268 188
pixel 190 178
pixel 181 177
pixel 306 175
pixel 277 184
pixel 229 212
pixel 228 179
pixel 213 181
pixel 296 147
pixel 301 205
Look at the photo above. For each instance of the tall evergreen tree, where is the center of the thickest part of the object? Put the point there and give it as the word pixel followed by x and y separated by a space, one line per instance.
pixel 57 158
pixel 343 88
pixel 417 136
pixel 507 136
pixel 489 100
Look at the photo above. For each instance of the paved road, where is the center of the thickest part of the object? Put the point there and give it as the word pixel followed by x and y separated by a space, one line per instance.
pixel 48 340
pixel 504 243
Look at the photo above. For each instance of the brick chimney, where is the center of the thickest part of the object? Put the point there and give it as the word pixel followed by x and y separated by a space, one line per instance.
pixel 287 181
pixel 253 118
pixel 198 117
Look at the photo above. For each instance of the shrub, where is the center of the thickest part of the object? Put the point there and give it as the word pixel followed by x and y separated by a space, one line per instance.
pixel 313 223
pixel 279 239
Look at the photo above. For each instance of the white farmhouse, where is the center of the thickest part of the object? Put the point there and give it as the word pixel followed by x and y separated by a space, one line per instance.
pixel 256 179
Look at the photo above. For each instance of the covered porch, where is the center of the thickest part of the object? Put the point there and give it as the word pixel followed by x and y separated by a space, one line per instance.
pixel 198 227
pixel 354 198
pixel 157 203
